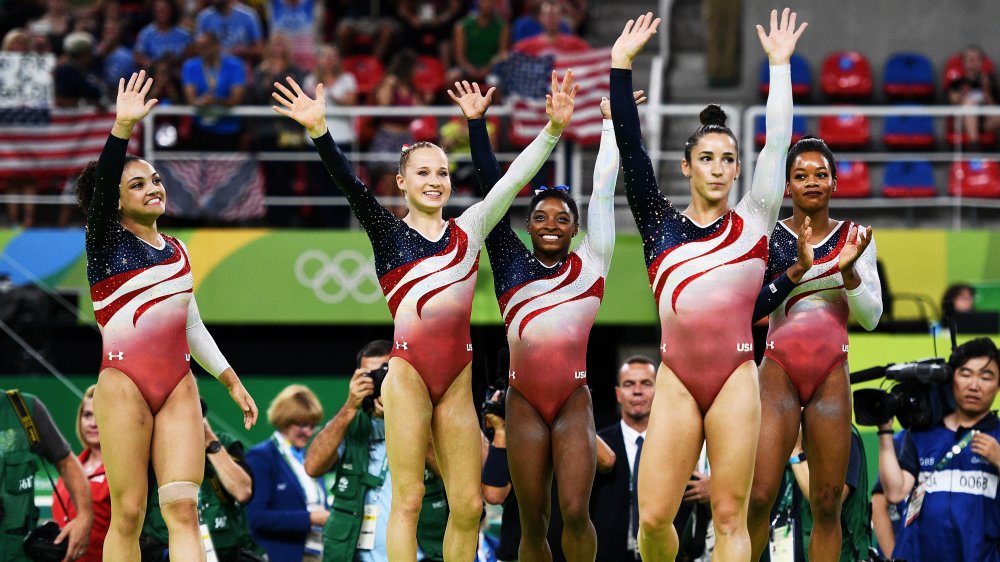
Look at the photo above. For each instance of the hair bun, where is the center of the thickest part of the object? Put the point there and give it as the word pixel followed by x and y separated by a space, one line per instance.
pixel 713 115
pixel 810 137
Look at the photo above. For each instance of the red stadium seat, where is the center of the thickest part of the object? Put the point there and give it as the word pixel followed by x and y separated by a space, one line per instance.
pixel 845 132
pixel 424 129
pixel 853 180
pixel 951 134
pixel 846 75
pixel 367 70
pixel 974 178
pixel 429 75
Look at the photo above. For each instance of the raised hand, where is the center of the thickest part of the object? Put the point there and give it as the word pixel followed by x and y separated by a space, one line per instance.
pixel 472 102
pixel 131 105
pixel 857 241
pixel 639 96
pixel 779 43
pixel 633 39
pixel 559 104
pixel 308 112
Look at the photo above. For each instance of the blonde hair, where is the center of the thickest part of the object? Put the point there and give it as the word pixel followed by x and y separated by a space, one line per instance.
pixel 295 403
pixel 89 393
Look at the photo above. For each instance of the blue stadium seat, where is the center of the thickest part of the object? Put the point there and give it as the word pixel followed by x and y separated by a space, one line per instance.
pixel 912 178
pixel 760 132
pixel 908 132
pixel 801 78
pixel 908 76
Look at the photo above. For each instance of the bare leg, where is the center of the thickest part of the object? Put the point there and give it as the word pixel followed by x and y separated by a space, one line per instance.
pixel 732 428
pixel 826 436
pixel 407 427
pixel 574 453
pixel 179 456
pixel 669 454
pixel 779 421
pixel 126 431
pixel 457 446
pixel 529 452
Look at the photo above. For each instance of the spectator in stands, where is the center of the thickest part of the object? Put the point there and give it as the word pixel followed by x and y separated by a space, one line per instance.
pixel 364 19
pixel 340 89
pixel 164 37
pixel 948 471
pixel 16 40
pixel 166 85
pixel 54 25
pixel 297 20
pixel 529 24
pixel 93 469
pixel 213 80
pixel 975 88
pixel 117 59
pixel 481 39
pixel 395 90
pixel 236 25
pixel 455 139
pixel 76 84
pixel 957 298
pixel 427 26
pixel 552 40
pixel 288 508
pixel 276 64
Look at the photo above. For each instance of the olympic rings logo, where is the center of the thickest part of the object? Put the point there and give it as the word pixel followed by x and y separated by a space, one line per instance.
pixel 348 273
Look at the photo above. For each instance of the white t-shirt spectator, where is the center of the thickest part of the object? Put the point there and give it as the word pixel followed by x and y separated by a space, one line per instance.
pixel 340 127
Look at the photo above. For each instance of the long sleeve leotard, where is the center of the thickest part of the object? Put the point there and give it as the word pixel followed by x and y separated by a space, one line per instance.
pixel 548 311
pixel 143 294
pixel 705 278
pixel 429 284
pixel 807 332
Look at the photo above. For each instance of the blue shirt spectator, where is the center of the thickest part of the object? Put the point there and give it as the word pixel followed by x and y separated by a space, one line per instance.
pixel 214 79
pixel 296 19
pixel 163 37
pixel 236 25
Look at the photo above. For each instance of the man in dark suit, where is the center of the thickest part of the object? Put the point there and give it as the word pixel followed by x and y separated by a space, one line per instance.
pixel 613 504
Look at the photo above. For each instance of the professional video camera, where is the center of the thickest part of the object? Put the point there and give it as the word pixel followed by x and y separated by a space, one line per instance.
pixel 377 376
pixel 916 399
pixel 498 406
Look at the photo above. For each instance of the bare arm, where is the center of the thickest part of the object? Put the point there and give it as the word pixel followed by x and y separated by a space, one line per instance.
pixel 896 482
pixel 605 456
pixel 882 524
pixel 234 478
pixel 322 452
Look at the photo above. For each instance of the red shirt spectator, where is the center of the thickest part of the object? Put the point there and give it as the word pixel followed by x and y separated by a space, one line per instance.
pixel 552 40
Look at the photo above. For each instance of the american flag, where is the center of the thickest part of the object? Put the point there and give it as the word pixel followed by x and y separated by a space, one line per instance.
pixel 227 189
pixel 37 143
pixel 527 79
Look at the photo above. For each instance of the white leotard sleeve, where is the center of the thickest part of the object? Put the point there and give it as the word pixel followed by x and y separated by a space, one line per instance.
pixel 202 345
pixel 764 199
pixel 865 300
pixel 600 240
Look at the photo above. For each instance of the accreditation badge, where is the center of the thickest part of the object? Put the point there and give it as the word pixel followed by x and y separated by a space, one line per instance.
pixel 783 543
pixel 206 538
pixel 314 545
pixel 366 539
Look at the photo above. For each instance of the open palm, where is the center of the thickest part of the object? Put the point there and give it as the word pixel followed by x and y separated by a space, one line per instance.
pixel 857 241
pixel 633 39
pixel 779 43
pixel 308 112
pixel 472 102
pixel 131 105
pixel 559 104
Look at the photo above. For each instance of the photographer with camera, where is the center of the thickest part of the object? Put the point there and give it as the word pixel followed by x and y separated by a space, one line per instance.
pixel 28 434
pixel 949 471
pixel 352 444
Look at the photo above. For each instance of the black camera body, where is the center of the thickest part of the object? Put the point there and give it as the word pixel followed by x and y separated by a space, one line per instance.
pixel 40 544
pixel 915 400
pixel 378 377
pixel 496 407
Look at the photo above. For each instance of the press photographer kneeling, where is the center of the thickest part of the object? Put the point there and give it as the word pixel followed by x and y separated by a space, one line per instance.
pixel 949 470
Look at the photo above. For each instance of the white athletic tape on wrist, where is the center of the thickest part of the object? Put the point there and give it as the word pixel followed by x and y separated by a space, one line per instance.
pixel 177 491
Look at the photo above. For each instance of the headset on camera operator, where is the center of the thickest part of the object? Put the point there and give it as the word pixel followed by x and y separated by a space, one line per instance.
pixel 27 434
pixel 352 444
pixel 949 471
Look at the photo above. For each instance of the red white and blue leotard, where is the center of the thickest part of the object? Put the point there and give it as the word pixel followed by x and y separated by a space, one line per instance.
pixel 548 311
pixel 807 332
pixel 429 284
pixel 705 279
pixel 142 294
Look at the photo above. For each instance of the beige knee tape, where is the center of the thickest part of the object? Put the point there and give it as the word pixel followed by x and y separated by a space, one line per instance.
pixel 177 491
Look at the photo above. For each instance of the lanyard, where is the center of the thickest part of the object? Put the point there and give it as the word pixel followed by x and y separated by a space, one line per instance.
pixel 955 449
pixel 299 471
pixel 916 501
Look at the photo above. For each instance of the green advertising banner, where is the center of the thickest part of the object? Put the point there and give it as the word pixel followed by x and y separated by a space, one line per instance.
pixel 261 276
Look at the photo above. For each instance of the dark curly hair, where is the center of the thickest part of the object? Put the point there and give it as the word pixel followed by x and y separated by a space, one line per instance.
pixel 563 196
pixel 87 182
pixel 809 143
pixel 713 120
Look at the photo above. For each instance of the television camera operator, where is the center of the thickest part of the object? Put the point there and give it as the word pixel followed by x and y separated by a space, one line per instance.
pixel 949 471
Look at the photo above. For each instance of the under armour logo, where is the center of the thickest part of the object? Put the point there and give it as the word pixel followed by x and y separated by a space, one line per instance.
pixel 468 347
pixel 187 356
pixel 402 345
pixel 663 348
pixel 744 347
pixel 769 345
pixel 119 356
